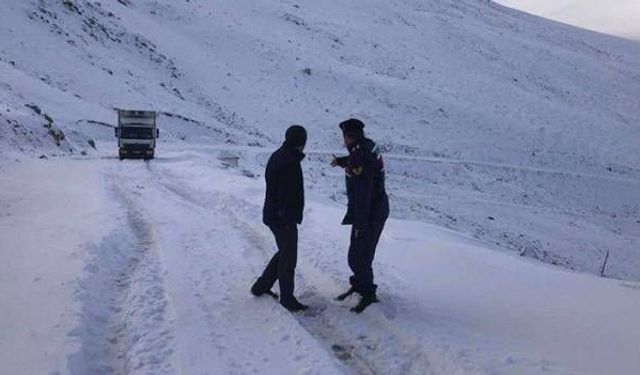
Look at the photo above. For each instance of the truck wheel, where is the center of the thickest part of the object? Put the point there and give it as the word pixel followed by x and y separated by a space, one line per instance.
pixel 121 155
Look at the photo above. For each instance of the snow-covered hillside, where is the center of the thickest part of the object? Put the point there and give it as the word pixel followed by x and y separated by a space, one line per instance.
pixel 621 18
pixel 519 131
pixel 519 134
pixel 503 115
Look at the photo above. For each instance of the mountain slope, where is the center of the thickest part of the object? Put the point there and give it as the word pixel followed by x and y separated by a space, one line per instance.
pixel 519 131
pixel 430 73
pixel 509 140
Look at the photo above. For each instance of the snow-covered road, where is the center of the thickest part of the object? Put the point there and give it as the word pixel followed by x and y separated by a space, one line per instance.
pixel 134 267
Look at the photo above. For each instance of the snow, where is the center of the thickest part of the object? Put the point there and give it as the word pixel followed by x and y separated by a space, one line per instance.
pixel 511 148
pixel 621 18
pixel 167 250
pixel 484 111
pixel 48 218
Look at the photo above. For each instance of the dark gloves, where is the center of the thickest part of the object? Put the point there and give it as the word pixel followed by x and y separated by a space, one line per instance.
pixel 339 161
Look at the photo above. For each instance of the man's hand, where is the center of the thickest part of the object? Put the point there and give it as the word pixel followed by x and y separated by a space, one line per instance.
pixel 339 161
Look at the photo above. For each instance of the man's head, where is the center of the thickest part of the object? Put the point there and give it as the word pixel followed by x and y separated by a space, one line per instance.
pixel 352 131
pixel 296 136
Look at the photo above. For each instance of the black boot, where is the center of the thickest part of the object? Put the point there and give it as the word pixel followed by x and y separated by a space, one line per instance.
pixel 294 306
pixel 366 300
pixel 346 294
pixel 257 291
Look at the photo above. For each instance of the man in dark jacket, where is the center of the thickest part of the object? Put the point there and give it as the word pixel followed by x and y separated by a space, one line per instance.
pixel 282 212
pixel 368 208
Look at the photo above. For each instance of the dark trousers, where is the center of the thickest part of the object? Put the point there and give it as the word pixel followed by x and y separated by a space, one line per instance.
pixel 362 250
pixel 282 265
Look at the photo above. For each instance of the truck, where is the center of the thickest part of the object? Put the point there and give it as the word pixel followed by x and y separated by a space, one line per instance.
pixel 137 134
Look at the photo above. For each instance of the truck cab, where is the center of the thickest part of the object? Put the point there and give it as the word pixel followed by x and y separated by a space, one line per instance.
pixel 137 134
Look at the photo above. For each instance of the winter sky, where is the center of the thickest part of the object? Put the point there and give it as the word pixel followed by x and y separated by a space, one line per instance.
pixel 619 17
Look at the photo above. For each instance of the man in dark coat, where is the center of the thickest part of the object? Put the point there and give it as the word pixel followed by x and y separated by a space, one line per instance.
pixel 368 208
pixel 282 212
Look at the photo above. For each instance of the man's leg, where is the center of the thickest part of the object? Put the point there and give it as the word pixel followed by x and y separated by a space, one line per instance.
pixel 358 260
pixel 271 272
pixel 269 276
pixel 352 258
pixel 373 239
pixel 368 288
pixel 287 240
pixel 376 225
pixel 362 279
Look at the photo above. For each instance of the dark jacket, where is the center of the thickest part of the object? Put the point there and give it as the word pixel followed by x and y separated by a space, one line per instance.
pixel 365 180
pixel 284 198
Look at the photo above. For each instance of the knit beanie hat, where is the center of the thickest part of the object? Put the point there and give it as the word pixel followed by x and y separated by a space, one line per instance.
pixel 296 136
pixel 352 128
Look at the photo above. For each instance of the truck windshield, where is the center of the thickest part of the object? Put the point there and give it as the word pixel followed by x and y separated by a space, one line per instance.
pixel 136 133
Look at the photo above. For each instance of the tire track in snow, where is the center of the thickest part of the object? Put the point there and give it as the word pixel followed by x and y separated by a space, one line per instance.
pixel 124 324
pixel 354 363
pixel 147 323
pixel 374 347
pixel 220 290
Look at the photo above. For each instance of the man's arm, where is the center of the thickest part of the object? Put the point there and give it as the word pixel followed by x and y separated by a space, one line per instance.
pixel 362 180
pixel 286 175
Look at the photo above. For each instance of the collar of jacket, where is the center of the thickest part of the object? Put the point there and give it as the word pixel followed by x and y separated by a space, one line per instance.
pixel 299 155
pixel 357 146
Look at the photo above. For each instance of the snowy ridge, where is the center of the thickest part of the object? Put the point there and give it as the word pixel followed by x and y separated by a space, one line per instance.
pixel 465 68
